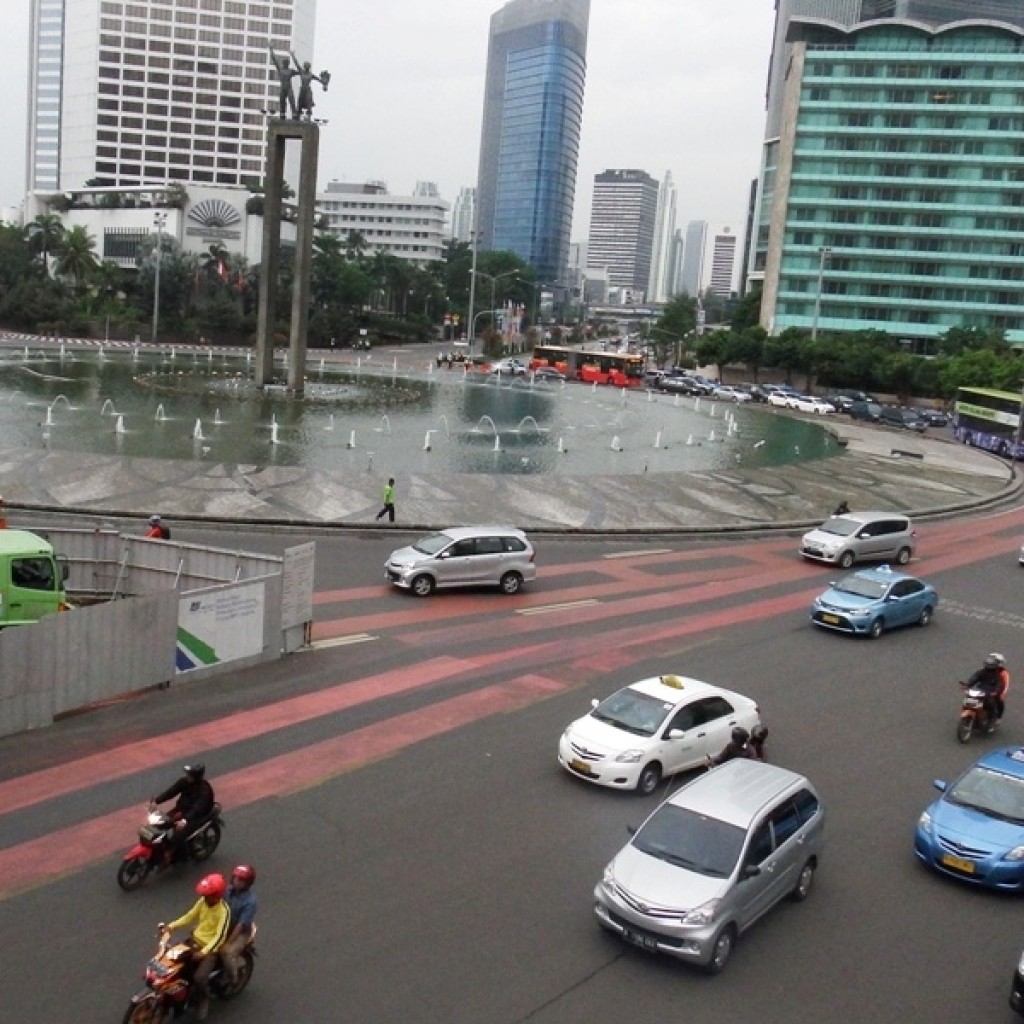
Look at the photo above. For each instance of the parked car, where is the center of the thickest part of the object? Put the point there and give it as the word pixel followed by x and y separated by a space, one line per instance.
pixel 783 399
pixel 464 556
pixel 867 602
pixel 548 373
pixel 817 406
pixel 652 729
pixel 864 411
pixel 711 860
pixel 905 419
pixel 510 367
pixel 861 536
pixel 934 417
pixel 680 385
pixel 727 393
pixel 974 832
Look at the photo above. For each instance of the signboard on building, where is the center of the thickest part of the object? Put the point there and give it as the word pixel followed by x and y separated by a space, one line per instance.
pixel 224 625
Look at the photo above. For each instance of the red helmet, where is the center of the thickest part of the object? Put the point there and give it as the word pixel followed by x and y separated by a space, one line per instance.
pixel 212 885
pixel 245 873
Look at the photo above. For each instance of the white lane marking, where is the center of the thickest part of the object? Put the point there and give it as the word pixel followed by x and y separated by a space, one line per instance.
pixel 342 641
pixel 639 554
pixel 544 609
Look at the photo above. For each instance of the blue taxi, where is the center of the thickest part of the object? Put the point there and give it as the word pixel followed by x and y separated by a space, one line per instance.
pixel 872 600
pixel 974 832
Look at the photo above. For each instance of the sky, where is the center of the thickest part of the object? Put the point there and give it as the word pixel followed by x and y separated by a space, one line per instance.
pixel 672 85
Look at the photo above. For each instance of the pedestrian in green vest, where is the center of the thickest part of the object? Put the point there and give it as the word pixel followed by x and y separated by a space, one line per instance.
pixel 389 501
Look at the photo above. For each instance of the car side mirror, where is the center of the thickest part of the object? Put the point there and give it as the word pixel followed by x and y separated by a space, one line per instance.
pixel 675 734
pixel 939 785
pixel 751 871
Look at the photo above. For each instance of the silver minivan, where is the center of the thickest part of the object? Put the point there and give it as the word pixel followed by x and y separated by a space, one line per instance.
pixel 859 537
pixel 464 556
pixel 711 860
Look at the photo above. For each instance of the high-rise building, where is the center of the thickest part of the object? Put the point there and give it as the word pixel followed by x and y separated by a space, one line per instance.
pixel 464 215
pixel 897 189
pixel 155 92
pixel 692 269
pixel 723 263
pixel 529 146
pixel 660 286
pixel 939 12
pixel 621 237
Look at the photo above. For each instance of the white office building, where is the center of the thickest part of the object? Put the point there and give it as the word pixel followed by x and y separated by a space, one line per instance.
pixel 155 92
pixel 464 215
pixel 660 287
pixel 409 227
pixel 723 263
pixel 622 220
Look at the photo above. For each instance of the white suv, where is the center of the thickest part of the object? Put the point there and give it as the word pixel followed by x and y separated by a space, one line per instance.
pixel 464 556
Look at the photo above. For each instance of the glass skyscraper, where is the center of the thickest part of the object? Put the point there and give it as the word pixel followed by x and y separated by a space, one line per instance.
pixel 529 147
pixel 899 186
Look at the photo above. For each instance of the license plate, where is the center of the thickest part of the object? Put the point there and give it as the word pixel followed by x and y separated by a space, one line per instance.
pixel 636 939
pixel 580 766
pixel 832 620
pixel 959 863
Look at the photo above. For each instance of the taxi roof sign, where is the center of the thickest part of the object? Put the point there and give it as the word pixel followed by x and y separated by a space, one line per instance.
pixel 673 681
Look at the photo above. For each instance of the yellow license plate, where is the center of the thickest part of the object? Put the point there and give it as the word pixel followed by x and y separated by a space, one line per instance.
pixel 580 766
pixel 959 863
pixel 832 620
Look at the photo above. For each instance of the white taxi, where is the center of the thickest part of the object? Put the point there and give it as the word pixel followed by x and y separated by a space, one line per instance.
pixel 652 729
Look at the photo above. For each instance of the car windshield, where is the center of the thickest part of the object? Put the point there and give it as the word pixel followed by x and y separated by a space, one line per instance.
pixel 690 840
pixel 432 544
pixel 840 527
pixel 633 711
pixel 860 586
pixel 992 793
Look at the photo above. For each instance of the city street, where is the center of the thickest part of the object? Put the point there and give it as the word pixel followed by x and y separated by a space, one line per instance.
pixel 420 854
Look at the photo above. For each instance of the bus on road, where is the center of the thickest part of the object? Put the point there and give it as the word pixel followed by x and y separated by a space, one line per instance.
pixel 989 419
pixel 621 369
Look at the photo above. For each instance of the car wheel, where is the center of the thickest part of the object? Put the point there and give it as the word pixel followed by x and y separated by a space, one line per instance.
pixel 649 779
pixel 903 556
pixel 876 629
pixel 802 889
pixel 846 560
pixel 511 582
pixel 721 953
pixel 925 617
pixel 422 586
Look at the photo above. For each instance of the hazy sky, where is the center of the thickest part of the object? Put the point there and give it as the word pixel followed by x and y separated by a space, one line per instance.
pixel 671 85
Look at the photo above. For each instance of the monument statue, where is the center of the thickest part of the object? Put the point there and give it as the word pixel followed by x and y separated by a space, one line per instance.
pixel 288 106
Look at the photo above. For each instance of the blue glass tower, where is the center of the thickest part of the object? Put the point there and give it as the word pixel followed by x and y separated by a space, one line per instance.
pixel 529 147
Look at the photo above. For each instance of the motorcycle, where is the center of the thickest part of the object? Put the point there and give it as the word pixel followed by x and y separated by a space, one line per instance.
pixel 974 715
pixel 169 988
pixel 156 849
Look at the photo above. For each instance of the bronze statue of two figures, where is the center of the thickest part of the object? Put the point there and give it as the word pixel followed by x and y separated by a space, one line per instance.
pixel 297 108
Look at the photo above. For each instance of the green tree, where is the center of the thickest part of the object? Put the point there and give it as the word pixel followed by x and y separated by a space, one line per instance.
pixel 44 234
pixel 76 256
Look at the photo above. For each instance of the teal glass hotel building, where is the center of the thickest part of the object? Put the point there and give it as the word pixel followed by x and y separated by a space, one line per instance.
pixel 893 196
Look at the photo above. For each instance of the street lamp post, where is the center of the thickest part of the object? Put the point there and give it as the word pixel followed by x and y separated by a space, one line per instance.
pixel 824 252
pixel 494 279
pixel 159 220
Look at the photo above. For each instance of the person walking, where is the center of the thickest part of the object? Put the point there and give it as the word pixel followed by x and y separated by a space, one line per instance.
pixel 389 501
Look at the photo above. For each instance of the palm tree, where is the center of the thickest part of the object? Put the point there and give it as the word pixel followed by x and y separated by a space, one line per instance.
pixel 76 256
pixel 355 246
pixel 43 234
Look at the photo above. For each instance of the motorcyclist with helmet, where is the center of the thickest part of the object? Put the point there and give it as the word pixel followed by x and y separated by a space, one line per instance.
pixel 993 680
pixel 195 800
pixel 241 901
pixel 210 920
pixel 738 746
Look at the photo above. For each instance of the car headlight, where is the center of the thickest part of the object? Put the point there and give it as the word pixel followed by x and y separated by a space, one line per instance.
pixel 925 821
pixel 700 916
pixel 630 757
pixel 1017 853
pixel 608 878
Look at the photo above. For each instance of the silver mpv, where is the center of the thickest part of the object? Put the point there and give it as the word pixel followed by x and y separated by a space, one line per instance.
pixel 464 556
pixel 711 860
pixel 861 537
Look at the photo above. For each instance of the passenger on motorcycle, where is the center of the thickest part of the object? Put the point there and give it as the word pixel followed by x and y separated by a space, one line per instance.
pixel 241 900
pixel 994 680
pixel 210 920
pixel 195 802
pixel 738 746
pixel 758 738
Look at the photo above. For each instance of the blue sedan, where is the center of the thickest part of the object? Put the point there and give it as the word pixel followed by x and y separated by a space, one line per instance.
pixel 975 831
pixel 872 600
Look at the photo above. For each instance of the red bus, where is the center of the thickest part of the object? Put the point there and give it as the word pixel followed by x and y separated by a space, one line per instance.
pixel 621 369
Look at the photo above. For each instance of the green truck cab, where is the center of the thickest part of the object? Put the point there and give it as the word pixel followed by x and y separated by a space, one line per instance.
pixel 32 578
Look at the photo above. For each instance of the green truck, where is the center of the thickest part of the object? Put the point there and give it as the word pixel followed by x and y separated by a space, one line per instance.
pixel 32 578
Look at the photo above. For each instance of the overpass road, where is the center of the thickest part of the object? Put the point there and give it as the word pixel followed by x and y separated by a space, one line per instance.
pixel 421 856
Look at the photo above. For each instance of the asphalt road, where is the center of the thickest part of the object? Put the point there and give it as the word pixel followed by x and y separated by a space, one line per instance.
pixel 421 856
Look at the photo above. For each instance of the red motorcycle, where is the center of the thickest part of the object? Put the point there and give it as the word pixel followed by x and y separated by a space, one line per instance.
pixel 975 714
pixel 156 849
pixel 169 988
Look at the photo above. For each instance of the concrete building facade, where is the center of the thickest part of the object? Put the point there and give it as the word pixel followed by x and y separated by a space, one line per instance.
pixel 622 222
pixel 661 285
pixel 723 264
pixel 899 184
pixel 691 271
pixel 532 118
pixel 464 215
